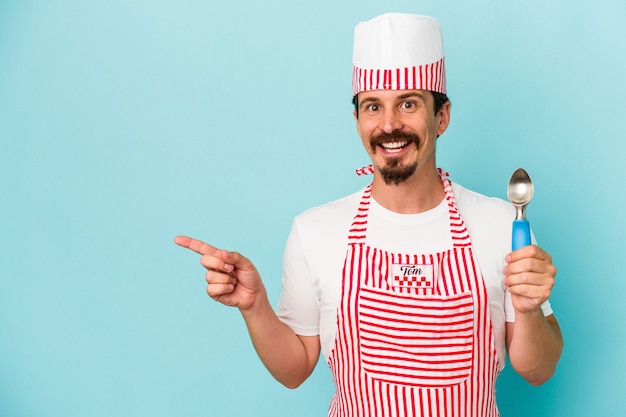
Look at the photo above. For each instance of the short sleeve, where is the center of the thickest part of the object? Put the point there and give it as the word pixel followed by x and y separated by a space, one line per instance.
pixel 298 306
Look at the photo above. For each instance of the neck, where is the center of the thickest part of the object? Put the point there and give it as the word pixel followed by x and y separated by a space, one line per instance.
pixel 419 193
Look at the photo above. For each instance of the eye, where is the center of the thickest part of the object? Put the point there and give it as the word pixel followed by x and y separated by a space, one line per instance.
pixel 408 105
pixel 373 107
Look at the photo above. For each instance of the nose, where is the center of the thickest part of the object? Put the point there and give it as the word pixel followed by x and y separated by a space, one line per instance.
pixel 391 120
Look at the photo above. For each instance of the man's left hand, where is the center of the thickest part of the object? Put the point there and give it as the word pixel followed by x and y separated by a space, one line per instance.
pixel 529 276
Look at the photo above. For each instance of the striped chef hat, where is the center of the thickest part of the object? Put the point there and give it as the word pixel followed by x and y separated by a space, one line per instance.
pixel 397 51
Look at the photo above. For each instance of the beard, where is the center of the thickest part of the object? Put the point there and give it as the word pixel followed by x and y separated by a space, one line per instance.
pixel 394 173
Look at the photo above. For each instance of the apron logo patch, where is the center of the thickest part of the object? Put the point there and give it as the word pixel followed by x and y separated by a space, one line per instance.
pixel 412 276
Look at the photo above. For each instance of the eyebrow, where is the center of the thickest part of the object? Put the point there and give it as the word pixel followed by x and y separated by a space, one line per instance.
pixel 367 100
pixel 412 94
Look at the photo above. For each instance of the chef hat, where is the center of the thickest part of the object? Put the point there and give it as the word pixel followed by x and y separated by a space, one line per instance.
pixel 397 51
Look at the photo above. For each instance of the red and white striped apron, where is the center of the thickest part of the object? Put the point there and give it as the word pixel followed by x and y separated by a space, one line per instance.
pixel 414 331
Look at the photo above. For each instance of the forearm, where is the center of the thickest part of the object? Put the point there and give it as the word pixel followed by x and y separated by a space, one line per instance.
pixel 535 345
pixel 288 357
pixel 234 281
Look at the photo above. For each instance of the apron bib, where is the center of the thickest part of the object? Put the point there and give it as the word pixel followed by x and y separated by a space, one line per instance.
pixel 414 333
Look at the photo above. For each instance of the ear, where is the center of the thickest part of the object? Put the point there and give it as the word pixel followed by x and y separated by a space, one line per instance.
pixel 444 118
pixel 356 119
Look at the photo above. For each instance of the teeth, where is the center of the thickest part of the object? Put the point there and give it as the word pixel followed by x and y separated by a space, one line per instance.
pixel 394 145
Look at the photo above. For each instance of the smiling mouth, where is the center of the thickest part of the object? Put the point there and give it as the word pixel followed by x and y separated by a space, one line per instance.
pixel 394 147
pixel 394 143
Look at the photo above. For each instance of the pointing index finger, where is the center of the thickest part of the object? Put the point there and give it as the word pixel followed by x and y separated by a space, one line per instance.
pixel 195 245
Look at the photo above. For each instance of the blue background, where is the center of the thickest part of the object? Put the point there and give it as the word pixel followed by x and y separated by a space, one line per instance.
pixel 125 123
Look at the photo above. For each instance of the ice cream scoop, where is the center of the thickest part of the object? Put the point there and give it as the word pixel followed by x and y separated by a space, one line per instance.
pixel 520 192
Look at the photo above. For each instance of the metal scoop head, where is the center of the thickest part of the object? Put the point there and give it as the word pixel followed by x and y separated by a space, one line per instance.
pixel 520 192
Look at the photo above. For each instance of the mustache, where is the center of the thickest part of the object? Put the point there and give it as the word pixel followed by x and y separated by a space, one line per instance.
pixel 395 136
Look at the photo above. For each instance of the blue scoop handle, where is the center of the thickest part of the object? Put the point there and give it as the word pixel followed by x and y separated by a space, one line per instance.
pixel 521 234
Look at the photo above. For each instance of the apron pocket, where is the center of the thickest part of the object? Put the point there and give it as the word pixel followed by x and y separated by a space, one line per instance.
pixel 416 340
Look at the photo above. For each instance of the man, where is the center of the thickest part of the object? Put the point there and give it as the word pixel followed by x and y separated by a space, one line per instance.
pixel 407 287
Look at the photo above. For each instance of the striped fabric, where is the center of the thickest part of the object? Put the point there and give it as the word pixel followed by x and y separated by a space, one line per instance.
pixel 413 351
pixel 417 342
pixel 424 77
pixel 366 170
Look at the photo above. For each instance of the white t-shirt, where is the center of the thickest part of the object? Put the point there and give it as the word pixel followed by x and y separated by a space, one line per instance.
pixel 317 245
